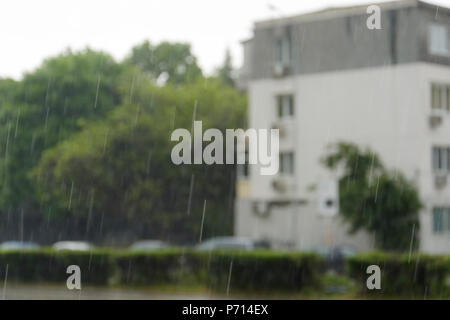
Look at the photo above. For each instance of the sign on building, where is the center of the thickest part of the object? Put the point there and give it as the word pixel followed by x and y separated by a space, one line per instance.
pixel 328 195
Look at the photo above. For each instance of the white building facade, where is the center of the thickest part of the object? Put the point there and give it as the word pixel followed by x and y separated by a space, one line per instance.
pixel 323 78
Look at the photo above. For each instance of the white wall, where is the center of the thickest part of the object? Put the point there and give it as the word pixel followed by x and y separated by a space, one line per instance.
pixel 298 227
pixel 433 243
pixel 384 108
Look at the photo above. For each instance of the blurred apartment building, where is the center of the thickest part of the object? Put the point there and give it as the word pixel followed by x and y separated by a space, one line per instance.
pixel 324 77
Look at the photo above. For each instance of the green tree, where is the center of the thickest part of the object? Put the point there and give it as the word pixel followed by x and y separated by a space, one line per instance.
pixel 8 90
pixel 46 107
pixel 225 72
pixel 375 199
pixel 119 170
pixel 173 61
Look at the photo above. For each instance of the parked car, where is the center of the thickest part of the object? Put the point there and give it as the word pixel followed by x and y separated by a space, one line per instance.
pixel 232 243
pixel 335 256
pixel 73 245
pixel 262 244
pixel 18 245
pixel 148 245
pixel 321 251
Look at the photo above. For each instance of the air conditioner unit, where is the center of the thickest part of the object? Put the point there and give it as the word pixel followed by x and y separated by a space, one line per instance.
pixel 282 130
pixel 440 181
pixel 280 69
pixel 435 120
pixel 261 208
pixel 280 185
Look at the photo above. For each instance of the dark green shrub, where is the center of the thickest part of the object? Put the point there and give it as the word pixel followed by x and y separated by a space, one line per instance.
pixel 415 276
pixel 258 270
pixel 97 267
pixel 170 266
pixel 262 270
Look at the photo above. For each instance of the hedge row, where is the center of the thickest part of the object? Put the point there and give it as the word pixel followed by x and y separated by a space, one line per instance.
pixel 258 270
pixel 160 267
pixel 412 276
pixel 264 271
pixel 415 276
pixel 50 266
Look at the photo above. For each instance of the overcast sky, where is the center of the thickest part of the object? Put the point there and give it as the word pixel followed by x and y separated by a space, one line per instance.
pixel 32 30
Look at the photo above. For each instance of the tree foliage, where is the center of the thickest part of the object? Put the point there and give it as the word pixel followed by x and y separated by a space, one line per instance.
pixel 119 170
pixel 46 107
pixel 173 61
pixel 375 199
pixel 225 72
pixel 85 145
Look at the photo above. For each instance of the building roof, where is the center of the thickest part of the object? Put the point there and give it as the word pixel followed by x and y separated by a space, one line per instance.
pixel 333 12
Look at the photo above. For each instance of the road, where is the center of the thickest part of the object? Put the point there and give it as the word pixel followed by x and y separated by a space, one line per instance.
pixel 53 292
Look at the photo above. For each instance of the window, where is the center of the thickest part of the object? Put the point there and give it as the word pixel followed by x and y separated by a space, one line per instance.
pixel 287 162
pixel 441 219
pixel 283 50
pixel 440 97
pixel 441 159
pixel 285 105
pixel 438 40
pixel 243 169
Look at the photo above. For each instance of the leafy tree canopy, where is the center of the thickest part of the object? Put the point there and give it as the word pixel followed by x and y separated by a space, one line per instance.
pixel 46 107
pixel 168 62
pixel 225 72
pixel 120 169
pixel 375 199
pixel 85 142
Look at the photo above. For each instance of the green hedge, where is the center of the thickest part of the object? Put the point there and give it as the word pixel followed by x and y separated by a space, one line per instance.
pixel 415 276
pixel 50 266
pixel 170 266
pixel 258 270
pixel 401 276
pixel 263 271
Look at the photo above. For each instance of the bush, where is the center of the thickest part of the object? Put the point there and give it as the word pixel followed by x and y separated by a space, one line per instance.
pixel 258 270
pixel 169 266
pixel 263 271
pixel 97 267
pixel 415 276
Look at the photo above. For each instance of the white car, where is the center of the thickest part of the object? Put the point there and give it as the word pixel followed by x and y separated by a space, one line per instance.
pixel 148 245
pixel 19 245
pixel 229 243
pixel 72 245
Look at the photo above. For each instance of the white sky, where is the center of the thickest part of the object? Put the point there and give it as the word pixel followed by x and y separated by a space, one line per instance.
pixel 33 30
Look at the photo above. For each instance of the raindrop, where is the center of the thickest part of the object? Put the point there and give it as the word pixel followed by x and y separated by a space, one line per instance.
pixel 190 194
pixel 229 277
pixel 5 281
pixel 96 93
pixel 203 220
